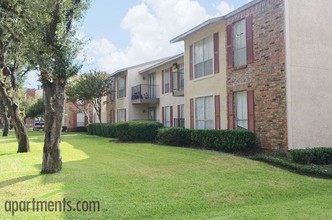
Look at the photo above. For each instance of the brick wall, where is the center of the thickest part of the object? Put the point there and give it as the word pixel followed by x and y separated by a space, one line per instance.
pixel 266 75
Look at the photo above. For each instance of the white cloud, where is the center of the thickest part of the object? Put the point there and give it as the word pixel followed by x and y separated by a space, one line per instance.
pixel 151 25
pixel 224 8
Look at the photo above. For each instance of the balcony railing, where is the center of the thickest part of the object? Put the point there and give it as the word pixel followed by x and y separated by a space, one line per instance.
pixel 144 93
pixel 179 122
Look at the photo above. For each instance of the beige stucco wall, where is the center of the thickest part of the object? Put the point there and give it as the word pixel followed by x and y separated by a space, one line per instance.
pixel 210 85
pixel 309 72
pixel 133 78
pixel 167 99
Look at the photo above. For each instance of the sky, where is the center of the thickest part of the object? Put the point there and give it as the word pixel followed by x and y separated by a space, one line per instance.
pixel 123 33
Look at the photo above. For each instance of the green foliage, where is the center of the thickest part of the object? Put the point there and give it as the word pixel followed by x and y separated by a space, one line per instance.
pixel 320 156
pixel 127 131
pixel 102 129
pixel 81 129
pixel 138 131
pixel 36 109
pixel 313 170
pixel 174 136
pixel 224 140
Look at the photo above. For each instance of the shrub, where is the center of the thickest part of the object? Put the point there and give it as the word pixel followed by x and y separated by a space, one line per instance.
pixel 225 140
pixel 174 136
pixel 81 129
pixel 319 156
pixel 140 131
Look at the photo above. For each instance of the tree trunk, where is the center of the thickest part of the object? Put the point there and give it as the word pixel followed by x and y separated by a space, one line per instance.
pixel 54 102
pixel 5 126
pixel 19 127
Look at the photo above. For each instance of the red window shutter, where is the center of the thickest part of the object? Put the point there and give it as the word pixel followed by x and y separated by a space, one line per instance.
pixel 179 111
pixel 171 115
pixel 249 38
pixel 217 111
pixel 192 125
pixel 230 110
pixel 216 52
pixel 251 110
pixel 163 115
pixel 171 80
pixel 229 39
pixel 163 82
pixel 191 62
pixel 75 120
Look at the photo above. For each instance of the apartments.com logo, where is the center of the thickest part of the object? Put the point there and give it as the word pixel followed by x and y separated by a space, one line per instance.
pixel 51 206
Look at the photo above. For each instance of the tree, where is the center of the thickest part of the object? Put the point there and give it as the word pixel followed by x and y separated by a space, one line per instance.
pixel 4 118
pixel 14 23
pixel 56 47
pixel 36 109
pixel 72 95
pixel 91 88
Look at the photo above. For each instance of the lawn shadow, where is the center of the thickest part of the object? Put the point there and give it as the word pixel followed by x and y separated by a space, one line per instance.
pixel 17 180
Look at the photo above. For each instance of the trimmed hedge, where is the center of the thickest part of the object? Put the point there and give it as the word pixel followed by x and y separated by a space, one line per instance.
pixel 224 140
pixel 141 131
pixel 313 170
pixel 319 156
pixel 102 129
pixel 174 137
pixel 81 129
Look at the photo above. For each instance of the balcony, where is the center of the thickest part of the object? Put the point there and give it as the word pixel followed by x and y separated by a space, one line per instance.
pixel 179 122
pixel 144 94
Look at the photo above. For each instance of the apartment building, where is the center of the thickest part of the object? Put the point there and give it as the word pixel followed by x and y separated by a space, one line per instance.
pixel 169 109
pixel 133 96
pixel 269 65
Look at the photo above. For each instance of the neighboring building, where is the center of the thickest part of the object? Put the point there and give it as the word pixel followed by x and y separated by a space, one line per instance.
pixel 73 117
pixel 273 57
pixel 32 95
pixel 163 95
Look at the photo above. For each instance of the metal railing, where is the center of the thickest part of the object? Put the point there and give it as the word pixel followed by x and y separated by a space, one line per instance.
pixel 144 91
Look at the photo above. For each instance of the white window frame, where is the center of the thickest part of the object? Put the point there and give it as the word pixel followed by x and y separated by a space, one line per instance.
pixel 241 110
pixel 79 121
pixel 203 121
pixel 121 115
pixel 121 87
pixel 239 43
pixel 167 116
pixel 167 80
pixel 181 77
pixel 203 57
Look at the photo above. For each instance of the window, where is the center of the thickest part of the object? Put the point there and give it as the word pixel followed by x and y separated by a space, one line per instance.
pixel 241 110
pixel 166 81
pixel 181 72
pixel 152 114
pixel 121 87
pixel 175 80
pixel 203 57
pixel 204 113
pixel 239 42
pixel 167 116
pixel 121 115
pixel 182 111
pixel 80 120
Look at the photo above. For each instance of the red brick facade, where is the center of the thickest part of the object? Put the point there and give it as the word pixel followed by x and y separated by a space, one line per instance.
pixel 266 75
pixel 70 119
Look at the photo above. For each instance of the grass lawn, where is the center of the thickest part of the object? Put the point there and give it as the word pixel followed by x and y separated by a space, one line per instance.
pixel 147 181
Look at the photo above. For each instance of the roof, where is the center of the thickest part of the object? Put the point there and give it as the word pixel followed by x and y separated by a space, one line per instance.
pixel 167 60
pixel 137 66
pixel 213 21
